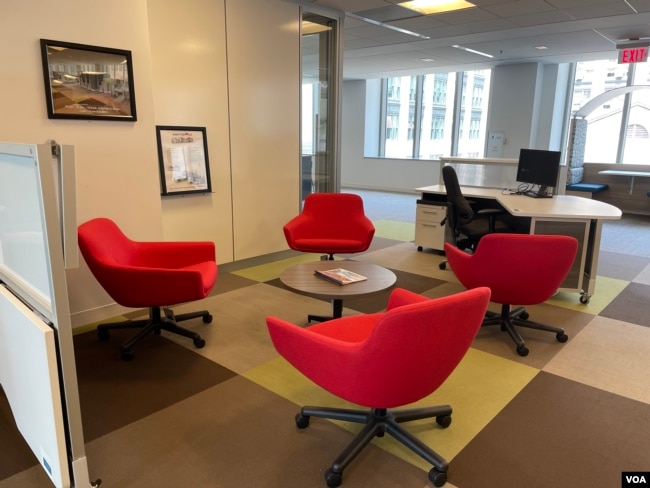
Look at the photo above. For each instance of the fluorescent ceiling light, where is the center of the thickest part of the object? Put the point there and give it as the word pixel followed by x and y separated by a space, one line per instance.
pixel 427 7
pixel 386 26
pixel 472 51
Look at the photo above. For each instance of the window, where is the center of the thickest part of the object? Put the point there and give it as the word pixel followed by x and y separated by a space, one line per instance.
pixel 420 121
pixel 618 129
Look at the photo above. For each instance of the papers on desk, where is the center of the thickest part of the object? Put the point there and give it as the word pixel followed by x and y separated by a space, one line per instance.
pixel 340 276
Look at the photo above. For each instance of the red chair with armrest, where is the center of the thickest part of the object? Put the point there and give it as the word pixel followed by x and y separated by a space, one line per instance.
pixel 521 269
pixel 153 275
pixel 382 361
pixel 330 223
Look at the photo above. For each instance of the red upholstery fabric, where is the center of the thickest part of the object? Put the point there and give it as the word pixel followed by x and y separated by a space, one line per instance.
pixel 384 360
pixel 330 223
pixel 520 269
pixel 146 274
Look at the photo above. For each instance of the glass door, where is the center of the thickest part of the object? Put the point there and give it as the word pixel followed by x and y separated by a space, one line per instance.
pixel 319 104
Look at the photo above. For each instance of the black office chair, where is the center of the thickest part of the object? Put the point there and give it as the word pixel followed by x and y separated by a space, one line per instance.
pixel 465 225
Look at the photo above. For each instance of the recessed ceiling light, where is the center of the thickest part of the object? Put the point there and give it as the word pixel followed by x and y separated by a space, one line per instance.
pixel 427 60
pixel 427 7
pixel 474 51
pixel 540 47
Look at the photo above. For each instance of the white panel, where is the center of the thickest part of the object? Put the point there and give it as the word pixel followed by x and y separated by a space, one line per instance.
pixel 264 74
pixel 28 374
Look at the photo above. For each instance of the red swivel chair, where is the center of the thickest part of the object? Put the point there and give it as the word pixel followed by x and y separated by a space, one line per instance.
pixel 385 360
pixel 330 223
pixel 521 269
pixel 153 275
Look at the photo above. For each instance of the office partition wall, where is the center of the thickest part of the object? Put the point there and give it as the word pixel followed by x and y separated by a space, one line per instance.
pixel 37 367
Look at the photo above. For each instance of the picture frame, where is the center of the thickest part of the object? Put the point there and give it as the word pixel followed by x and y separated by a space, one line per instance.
pixel 183 160
pixel 87 82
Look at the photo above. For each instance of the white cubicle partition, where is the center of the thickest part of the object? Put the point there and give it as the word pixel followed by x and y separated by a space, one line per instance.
pixel 29 378
pixel 37 367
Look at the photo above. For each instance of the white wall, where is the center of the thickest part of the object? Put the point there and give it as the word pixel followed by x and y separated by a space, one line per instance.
pixel 357 171
pixel 514 105
pixel 188 56
pixel 240 82
pixel 264 85
pixel 116 161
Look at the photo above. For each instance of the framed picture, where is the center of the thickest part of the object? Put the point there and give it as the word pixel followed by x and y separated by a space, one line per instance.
pixel 87 82
pixel 183 159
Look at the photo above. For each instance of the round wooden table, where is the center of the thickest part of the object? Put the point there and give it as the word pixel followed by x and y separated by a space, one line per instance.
pixel 301 279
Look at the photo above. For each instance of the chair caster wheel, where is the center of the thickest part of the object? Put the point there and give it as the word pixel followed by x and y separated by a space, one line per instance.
pixel 199 343
pixel 522 351
pixel 438 478
pixel 302 421
pixel 524 315
pixel 103 334
pixel 443 421
pixel 584 299
pixel 334 479
pixel 442 265
pixel 561 337
pixel 207 318
pixel 126 354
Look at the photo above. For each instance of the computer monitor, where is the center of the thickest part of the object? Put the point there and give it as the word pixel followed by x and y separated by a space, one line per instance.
pixel 538 167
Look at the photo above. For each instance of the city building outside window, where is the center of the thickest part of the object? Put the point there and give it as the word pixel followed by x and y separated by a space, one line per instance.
pixel 420 120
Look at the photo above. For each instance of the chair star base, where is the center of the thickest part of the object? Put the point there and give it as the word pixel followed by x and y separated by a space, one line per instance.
pixel 508 319
pixel 378 422
pixel 154 324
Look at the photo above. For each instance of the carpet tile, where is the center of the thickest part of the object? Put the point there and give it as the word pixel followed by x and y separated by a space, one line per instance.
pixel 568 415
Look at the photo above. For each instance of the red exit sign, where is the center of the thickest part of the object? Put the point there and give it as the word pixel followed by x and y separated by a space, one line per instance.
pixel 633 55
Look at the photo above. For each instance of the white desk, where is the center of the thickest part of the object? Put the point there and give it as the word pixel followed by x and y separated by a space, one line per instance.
pixel 630 174
pixel 579 217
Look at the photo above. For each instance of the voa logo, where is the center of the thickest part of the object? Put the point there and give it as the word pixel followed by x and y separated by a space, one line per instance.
pixel 635 478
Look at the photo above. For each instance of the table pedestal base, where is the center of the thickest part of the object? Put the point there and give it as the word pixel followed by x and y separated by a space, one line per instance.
pixel 337 312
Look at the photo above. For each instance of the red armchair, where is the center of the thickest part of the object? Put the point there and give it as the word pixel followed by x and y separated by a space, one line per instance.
pixel 522 269
pixel 385 360
pixel 153 275
pixel 330 223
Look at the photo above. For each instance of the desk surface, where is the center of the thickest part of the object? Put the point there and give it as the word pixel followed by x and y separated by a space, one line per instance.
pixel 560 206
pixel 301 279
pixel 626 172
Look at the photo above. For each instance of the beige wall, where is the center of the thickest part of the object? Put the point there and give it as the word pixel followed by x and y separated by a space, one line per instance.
pixel 244 91
pixel 190 88
pixel 264 74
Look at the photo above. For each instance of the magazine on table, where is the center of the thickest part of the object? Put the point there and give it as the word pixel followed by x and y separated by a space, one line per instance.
pixel 340 276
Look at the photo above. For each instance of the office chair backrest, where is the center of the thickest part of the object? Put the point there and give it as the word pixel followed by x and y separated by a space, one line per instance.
pixel 463 212
pixel 334 214
pixel 411 350
pixel 102 243
pixel 521 269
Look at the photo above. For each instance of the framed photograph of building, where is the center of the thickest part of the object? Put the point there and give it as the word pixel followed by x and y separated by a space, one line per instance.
pixel 87 82
pixel 183 160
